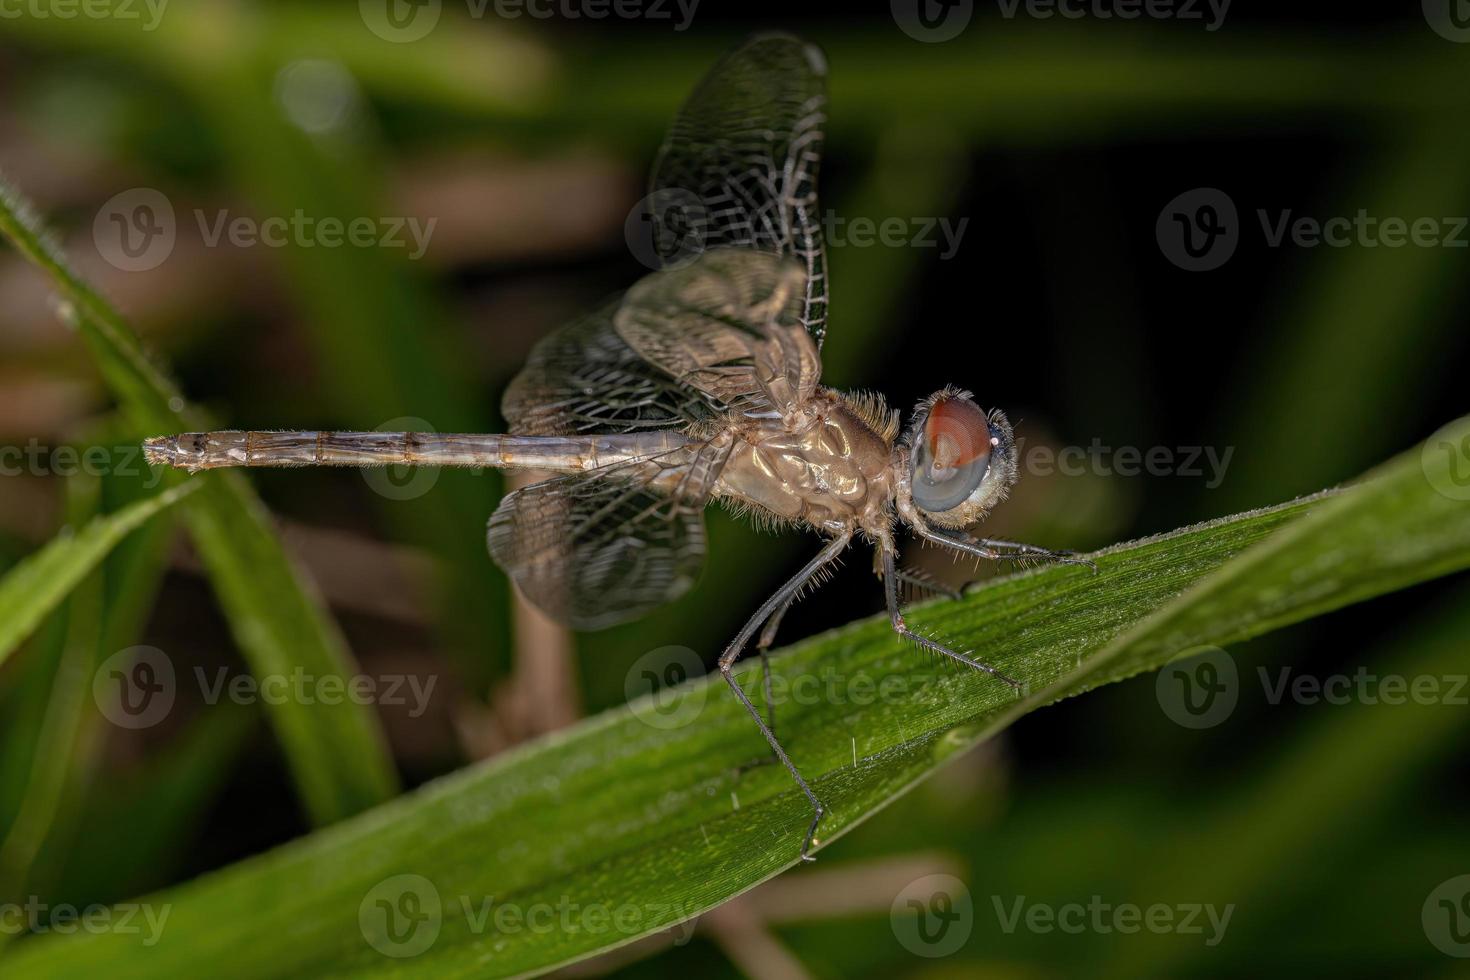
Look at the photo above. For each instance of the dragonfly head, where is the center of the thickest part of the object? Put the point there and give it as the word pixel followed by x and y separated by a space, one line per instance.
pixel 961 460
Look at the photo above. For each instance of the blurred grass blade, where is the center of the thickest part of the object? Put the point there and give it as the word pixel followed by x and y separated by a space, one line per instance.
pixel 53 778
pixel 36 585
pixel 336 752
pixel 651 814
pixel 1345 770
pixel 1371 329
pixel 393 355
pixel 50 768
pixel 160 809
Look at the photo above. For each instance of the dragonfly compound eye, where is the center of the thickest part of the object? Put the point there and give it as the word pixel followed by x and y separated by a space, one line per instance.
pixel 952 455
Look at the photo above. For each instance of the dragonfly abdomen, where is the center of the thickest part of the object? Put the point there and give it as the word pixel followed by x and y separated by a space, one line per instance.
pixel 563 454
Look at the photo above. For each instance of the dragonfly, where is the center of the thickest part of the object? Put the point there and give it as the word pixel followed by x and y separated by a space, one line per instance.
pixel 702 383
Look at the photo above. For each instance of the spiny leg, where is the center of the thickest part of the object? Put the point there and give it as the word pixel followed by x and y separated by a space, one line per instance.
pixel 767 637
pixel 1021 551
pixel 987 547
pixel 769 608
pixel 924 582
pixel 895 616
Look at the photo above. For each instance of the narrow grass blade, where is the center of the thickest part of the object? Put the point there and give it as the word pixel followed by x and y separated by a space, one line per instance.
pixel 336 752
pixel 36 585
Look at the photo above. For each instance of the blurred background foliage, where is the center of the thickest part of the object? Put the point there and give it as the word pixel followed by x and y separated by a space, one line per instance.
pixel 527 141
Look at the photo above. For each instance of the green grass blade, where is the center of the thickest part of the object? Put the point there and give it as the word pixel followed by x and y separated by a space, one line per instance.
pixel 55 774
pixel 336 753
pixel 36 585
pixel 635 826
pixel 1341 774
pixel 161 809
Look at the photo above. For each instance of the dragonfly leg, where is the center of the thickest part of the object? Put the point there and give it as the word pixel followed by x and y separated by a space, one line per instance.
pixel 925 582
pixel 895 616
pixel 773 607
pixel 1015 551
pixel 767 637
pixel 997 550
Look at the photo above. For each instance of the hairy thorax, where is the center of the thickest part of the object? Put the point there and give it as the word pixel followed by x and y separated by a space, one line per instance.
pixel 828 468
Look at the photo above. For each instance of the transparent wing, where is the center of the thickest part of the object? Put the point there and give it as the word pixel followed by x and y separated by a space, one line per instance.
pixel 683 345
pixel 729 326
pixel 595 549
pixel 746 146
pixel 585 378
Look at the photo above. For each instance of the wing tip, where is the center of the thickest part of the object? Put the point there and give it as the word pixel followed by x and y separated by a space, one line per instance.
pixel 816 58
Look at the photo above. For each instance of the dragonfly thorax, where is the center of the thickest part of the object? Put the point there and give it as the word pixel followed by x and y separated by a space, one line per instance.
pixel 833 469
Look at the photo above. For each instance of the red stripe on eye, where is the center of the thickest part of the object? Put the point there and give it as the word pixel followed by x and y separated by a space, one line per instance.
pixel 957 427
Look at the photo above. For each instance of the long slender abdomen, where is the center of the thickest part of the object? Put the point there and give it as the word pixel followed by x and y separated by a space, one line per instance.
pixel 566 454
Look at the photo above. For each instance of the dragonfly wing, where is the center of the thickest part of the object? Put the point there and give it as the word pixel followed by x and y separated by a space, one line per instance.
pixel 728 325
pixel 585 378
pixel 600 548
pixel 743 154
